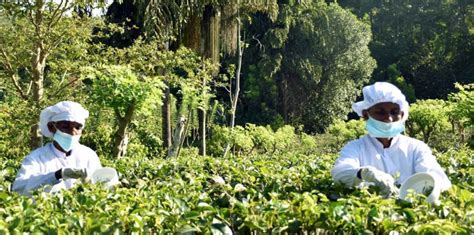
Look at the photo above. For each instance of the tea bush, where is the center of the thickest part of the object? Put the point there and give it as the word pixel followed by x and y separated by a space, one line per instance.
pixel 254 193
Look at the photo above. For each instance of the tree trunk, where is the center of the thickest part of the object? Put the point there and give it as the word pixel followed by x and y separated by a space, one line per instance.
pixel 284 97
pixel 202 116
pixel 121 136
pixel 166 119
pixel 228 34
pixel 191 37
pixel 38 62
pixel 210 49
pixel 210 34
pixel 235 95
pixel 235 98
pixel 178 135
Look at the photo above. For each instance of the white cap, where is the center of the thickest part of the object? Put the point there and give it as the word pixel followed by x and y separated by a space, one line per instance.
pixel 62 111
pixel 381 92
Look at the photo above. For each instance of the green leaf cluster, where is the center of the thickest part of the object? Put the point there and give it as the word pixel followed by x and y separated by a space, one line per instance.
pixel 256 193
pixel 258 139
pixel 118 87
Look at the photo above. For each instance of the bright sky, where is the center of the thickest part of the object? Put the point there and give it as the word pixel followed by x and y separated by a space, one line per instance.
pixel 96 11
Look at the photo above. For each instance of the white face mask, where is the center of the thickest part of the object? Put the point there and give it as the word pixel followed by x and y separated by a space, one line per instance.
pixel 66 141
pixel 380 129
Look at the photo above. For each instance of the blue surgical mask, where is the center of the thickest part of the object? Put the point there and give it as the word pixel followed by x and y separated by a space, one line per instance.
pixel 380 129
pixel 66 141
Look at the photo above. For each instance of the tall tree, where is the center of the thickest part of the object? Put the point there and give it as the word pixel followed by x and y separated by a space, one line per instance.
pixel 208 27
pixel 430 42
pixel 319 59
pixel 32 34
pixel 147 65
pixel 120 88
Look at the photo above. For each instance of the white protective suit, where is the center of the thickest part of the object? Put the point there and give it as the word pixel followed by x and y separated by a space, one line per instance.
pixel 38 168
pixel 405 156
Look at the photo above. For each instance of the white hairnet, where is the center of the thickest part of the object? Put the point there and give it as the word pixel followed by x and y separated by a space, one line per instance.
pixel 381 92
pixel 62 111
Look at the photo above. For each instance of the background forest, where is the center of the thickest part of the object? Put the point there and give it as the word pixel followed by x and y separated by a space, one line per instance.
pixel 228 114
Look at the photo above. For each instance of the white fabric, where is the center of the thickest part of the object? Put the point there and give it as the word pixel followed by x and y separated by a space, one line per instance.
pixel 38 168
pixel 380 92
pixel 62 111
pixel 405 157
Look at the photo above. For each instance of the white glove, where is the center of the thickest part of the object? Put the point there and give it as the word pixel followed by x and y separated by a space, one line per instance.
pixel 73 173
pixel 384 181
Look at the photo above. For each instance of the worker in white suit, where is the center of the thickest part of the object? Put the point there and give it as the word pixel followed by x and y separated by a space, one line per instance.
pixel 62 162
pixel 384 157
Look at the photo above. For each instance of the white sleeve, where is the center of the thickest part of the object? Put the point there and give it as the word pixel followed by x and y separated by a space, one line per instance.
pixel 29 177
pixel 94 162
pixel 346 166
pixel 426 162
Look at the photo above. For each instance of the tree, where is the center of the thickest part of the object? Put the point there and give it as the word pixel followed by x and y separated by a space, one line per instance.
pixel 207 27
pixel 462 112
pixel 39 44
pixel 430 42
pixel 426 117
pixel 182 71
pixel 234 94
pixel 319 59
pixel 126 92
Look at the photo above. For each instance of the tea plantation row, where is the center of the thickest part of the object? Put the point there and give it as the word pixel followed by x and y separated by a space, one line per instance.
pixel 262 193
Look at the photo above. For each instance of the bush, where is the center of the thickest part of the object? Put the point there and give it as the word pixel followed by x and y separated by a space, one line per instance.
pixel 257 193
pixel 14 131
pixel 441 124
pixel 253 139
pixel 462 113
pixel 427 119
pixel 341 132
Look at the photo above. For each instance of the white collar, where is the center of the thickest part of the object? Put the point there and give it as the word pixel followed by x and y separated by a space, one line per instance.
pixel 379 145
pixel 56 151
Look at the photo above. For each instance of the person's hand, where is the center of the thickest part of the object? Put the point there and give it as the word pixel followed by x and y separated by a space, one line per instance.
pixel 384 181
pixel 74 173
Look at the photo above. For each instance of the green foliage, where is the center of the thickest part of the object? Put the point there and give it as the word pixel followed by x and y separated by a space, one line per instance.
pixel 257 193
pixel 463 101
pixel 317 58
pixel 65 40
pixel 427 117
pixel 262 137
pixel 462 112
pixel 396 78
pixel 167 19
pixel 285 138
pixel 443 124
pixel 14 130
pixel 253 139
pixel 118 87
pixel 458 164
pixel 99 130
pixel 311 57
pixel 42 46
pixel 343 131
pixel 127 94
pixel 183 71
pixel 428 41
